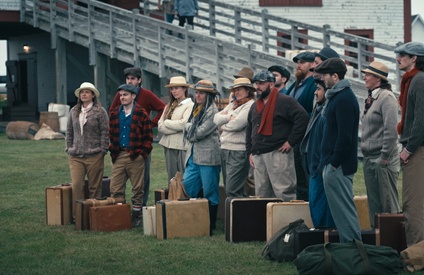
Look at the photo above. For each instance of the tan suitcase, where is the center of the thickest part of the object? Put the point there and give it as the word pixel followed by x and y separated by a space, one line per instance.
pixel 182 218
pixel 361 203
pixel 280 214
pixel 149 220
pixel 59 204
pixel 108 218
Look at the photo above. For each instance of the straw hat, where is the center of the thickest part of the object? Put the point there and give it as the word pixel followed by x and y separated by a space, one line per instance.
pixel 204 86
pixel 377 69
pixel 177 81
pixel 241 82
pixel 245 72
pixel 87 86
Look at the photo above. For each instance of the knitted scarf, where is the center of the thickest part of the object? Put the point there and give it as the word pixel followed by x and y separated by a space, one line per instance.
pixel 404 87
pixel 265 128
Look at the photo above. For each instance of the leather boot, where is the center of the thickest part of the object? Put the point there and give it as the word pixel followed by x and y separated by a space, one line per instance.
pixel 136 218
pixel 213 210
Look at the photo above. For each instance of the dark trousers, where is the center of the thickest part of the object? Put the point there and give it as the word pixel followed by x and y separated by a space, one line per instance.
pixel 302 184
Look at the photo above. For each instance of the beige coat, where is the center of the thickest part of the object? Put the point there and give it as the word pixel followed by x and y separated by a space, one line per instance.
pixel 172 129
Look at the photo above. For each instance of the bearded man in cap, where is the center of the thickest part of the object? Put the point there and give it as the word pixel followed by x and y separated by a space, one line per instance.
pixel 150 102
pixel 130 134
pixel 410 58
pixel 339 147
pixel 275 124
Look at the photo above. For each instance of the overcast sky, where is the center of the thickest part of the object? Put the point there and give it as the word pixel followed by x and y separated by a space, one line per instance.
pixel 417 8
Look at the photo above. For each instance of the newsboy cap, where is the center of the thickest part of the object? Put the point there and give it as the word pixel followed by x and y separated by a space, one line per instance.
pixel 304 56
pixel 411 48
pixel 128 87
pixel 281 70
pixel 134 71
pixel 326 53
pixel 331 65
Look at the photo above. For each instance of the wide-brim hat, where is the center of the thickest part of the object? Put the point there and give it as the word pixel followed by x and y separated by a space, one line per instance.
pixel 378 69
pixel 87 86
pixel 241 82
pixel 204 86
pixel 177 81
pixel 245 72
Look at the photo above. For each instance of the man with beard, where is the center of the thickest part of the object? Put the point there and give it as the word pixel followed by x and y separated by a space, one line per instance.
pixel 339 147
pixel 275 124
pixel 282 75
pixel 303 91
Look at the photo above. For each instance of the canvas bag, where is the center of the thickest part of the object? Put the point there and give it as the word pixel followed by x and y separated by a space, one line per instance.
pixel 176 188
pixel 348 258
pixel 281 245
pixel 413 257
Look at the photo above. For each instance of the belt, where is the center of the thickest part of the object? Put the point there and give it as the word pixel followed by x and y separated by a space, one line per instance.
pixel 124 150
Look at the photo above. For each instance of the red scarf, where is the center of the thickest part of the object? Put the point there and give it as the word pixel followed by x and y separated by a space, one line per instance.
pixel 404 87
pixel 265 128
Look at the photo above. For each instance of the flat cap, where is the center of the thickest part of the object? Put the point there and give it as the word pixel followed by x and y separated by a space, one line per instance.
pixel 331 65
pixel 281 70
pixel 326 53
pixel 128 87
pixel 134 71
pixel 411 48
pixel 304 56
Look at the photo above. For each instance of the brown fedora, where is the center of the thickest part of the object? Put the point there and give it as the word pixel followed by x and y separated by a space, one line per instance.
pixel 377 69
pixel 245 72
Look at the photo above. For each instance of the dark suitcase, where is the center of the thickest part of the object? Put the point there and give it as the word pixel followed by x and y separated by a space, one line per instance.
pixel 109 218
pixel 59 204
pixel 82 207
pixel 161 194
pixel 391 233
pixel 182 218
pixel 245 218
pixel 105 188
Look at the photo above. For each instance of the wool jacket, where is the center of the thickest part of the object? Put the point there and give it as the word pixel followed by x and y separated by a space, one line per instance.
pixel 186 7
pixel 146 99
pixel 379 135
pixel 204 146
pixel 141 136
pixel 306 99
pixel 233 126
pixel 172 129
pixel 413 127
pixel 289 124
pixel 340 135
pixel 95 132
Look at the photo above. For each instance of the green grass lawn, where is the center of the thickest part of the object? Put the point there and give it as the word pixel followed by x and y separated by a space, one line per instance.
pixel 29 246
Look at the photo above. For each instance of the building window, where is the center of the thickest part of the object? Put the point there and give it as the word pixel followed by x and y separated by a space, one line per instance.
pixel 354 54
pixel 290 3
pixel 287 45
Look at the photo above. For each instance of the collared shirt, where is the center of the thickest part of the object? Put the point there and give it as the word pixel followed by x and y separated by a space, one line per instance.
pixel 124 127
pixel 283 90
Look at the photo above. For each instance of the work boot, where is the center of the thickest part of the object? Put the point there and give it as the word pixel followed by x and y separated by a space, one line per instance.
pixel 136 218
pixel 213 210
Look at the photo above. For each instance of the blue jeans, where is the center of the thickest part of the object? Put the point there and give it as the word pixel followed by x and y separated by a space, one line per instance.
pixel 320 211
pixel 339 190
pixel 198 176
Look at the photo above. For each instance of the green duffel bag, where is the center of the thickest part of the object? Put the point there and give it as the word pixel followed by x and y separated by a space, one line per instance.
pixel 348 258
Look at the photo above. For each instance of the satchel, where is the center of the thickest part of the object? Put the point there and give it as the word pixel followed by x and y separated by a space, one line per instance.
pixel 176 188
pixel 413 257
pixel 348 258
pixel 280 246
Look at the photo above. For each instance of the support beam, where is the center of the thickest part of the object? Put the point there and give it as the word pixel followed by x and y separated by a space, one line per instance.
pixel 100 77
pixel 61 72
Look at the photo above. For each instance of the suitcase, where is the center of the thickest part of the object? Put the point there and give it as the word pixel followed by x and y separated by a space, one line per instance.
pixel 182 218
pixel 306 237
pixel 82 207
pixel 59 204
pixel 149 220
pixel 221 206
pixel 245 218
pixel 391 233
pixel 280 214
pixel 361 203
pixel 110 218
pixel 161 194
pixel 105 188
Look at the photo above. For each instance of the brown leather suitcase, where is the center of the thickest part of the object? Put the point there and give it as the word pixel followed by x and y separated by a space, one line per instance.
pixel 82 207
pixel 391 233
pixel 245 218
pixel 59 204
pixel 182 218
pixel 109 218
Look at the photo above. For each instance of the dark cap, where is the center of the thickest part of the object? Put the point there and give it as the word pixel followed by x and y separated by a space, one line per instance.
pixel 320 82
pixel 304 56
pixel 264 76
pixel 134 71
pixel 327 53
pixel 331 65
pixel 129 88
pixel 281 70
pixel 411 48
